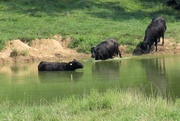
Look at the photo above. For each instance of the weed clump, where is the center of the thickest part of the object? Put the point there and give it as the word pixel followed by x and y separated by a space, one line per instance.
pixel 16 53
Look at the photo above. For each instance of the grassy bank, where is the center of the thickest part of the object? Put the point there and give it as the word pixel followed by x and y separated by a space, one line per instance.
pixel 112 105
pixel 87 21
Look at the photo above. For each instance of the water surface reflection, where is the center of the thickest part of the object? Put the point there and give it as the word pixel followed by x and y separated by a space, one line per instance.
pixel 59 76
pixel 106 70
pixel 24 82
pixel 156 73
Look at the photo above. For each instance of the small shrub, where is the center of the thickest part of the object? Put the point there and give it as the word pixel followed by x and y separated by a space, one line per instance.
pixel 14 53
pixel 24 52
pixel 75 43
pixel 129 49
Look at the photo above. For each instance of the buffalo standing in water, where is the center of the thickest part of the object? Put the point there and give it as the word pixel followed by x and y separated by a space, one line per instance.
pixel 105 50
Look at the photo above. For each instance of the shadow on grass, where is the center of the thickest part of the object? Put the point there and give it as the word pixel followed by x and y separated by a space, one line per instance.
pixel 49 7
pixel 106 10
pixel 114 11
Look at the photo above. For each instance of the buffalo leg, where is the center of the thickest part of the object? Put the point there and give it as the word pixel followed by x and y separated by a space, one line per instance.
pixel 149 48
pixel 156 46
pixel 163 40
pixel 119 54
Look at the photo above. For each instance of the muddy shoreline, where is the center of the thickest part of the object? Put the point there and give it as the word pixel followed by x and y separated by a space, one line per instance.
pixel 56 49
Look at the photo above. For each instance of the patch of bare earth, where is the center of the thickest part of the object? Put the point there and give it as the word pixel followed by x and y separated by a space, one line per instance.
pixel 169 47
pixel 39 49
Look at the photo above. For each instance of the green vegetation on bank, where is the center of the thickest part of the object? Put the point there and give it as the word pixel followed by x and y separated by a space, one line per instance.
pixel 87 21
pixel 112 105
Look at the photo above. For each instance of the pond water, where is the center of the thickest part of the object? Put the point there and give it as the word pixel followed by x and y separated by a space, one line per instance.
pixel 24 82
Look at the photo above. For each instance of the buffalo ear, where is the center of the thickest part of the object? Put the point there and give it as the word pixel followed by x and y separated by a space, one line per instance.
pixel 92 49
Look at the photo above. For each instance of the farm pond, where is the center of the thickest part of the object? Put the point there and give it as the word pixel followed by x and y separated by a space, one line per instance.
pixel 22 81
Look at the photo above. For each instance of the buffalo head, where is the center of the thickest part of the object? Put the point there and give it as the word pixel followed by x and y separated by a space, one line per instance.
pixel 141 48
pixel 93 52
pixel 75 64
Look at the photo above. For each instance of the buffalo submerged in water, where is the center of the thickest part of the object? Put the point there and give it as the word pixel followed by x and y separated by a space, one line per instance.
pixel 59 66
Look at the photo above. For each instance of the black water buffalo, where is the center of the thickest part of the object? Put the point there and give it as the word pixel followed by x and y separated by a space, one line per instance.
pixel 105 50
pixel 177 7
pixel 59 66
pixel 153 33
pixel 171 3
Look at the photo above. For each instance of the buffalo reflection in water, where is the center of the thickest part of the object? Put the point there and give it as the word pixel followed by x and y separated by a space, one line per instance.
pixel 59 76
pixel 156 73
pixel 108 70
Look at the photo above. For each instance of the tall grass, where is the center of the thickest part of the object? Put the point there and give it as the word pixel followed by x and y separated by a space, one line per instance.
pixel 111 105
pixel 87 21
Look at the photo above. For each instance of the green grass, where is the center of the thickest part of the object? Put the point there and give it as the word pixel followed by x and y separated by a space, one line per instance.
pixel 112 105
pixel 87 21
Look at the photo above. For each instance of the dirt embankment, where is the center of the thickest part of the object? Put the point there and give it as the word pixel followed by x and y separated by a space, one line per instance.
pixel 39 49
pixel 56 49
